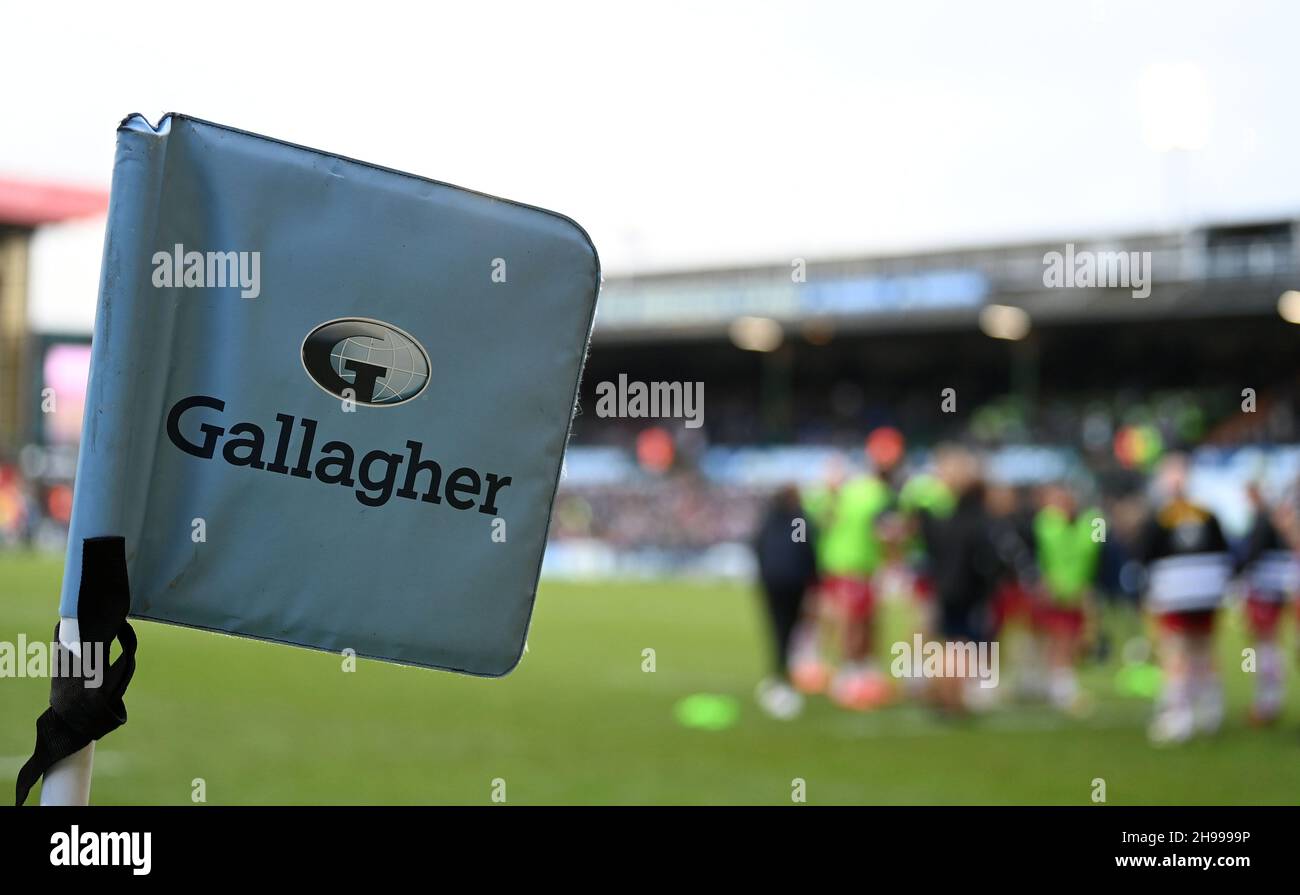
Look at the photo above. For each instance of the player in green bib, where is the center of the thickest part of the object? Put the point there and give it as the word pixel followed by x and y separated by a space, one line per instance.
pixel 1067 545
pixel 843 512
pixel 845 517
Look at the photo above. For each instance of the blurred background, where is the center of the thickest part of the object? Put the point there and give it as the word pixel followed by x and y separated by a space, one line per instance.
pixel 828 214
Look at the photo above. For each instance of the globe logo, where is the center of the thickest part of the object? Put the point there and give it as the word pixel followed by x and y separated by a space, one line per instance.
pixel 367 361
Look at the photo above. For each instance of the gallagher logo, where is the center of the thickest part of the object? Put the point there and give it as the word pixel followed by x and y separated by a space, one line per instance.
pixel 367 361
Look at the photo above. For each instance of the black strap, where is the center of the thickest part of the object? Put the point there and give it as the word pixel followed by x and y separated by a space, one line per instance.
pixel 79 714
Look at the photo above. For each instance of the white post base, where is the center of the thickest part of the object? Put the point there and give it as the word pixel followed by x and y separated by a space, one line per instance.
pixel 67 782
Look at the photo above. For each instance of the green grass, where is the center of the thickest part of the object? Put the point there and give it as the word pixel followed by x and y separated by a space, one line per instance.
pixel 580 722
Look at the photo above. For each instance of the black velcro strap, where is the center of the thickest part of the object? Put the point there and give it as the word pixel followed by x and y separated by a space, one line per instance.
pixel 79 714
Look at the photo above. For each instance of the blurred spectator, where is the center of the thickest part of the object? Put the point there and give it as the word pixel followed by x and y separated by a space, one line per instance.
pixel 787 569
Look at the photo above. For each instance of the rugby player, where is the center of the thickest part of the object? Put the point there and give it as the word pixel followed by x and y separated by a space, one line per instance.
pixel 1188 567
pixel 1270 566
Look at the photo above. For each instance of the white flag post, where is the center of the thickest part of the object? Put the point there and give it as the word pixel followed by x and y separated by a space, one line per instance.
pixel 67 782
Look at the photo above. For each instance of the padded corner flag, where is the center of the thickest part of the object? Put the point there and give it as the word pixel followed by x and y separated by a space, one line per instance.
pixel 328 401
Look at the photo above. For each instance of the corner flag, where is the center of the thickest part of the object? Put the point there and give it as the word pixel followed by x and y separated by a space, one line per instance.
pixel 328 401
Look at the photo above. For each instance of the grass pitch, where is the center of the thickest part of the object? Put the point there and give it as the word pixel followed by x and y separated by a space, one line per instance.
pixel 579 721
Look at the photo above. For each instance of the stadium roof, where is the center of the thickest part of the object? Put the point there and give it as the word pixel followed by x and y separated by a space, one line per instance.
pixel 1216 269
pixel 26 203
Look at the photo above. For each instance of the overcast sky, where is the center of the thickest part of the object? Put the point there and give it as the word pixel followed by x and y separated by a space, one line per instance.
pixel 694 134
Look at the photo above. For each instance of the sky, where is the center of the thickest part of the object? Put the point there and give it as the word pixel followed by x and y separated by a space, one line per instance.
pixel 688 135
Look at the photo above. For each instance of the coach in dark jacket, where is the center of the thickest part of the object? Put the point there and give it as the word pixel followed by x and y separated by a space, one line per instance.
pixel 786 569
